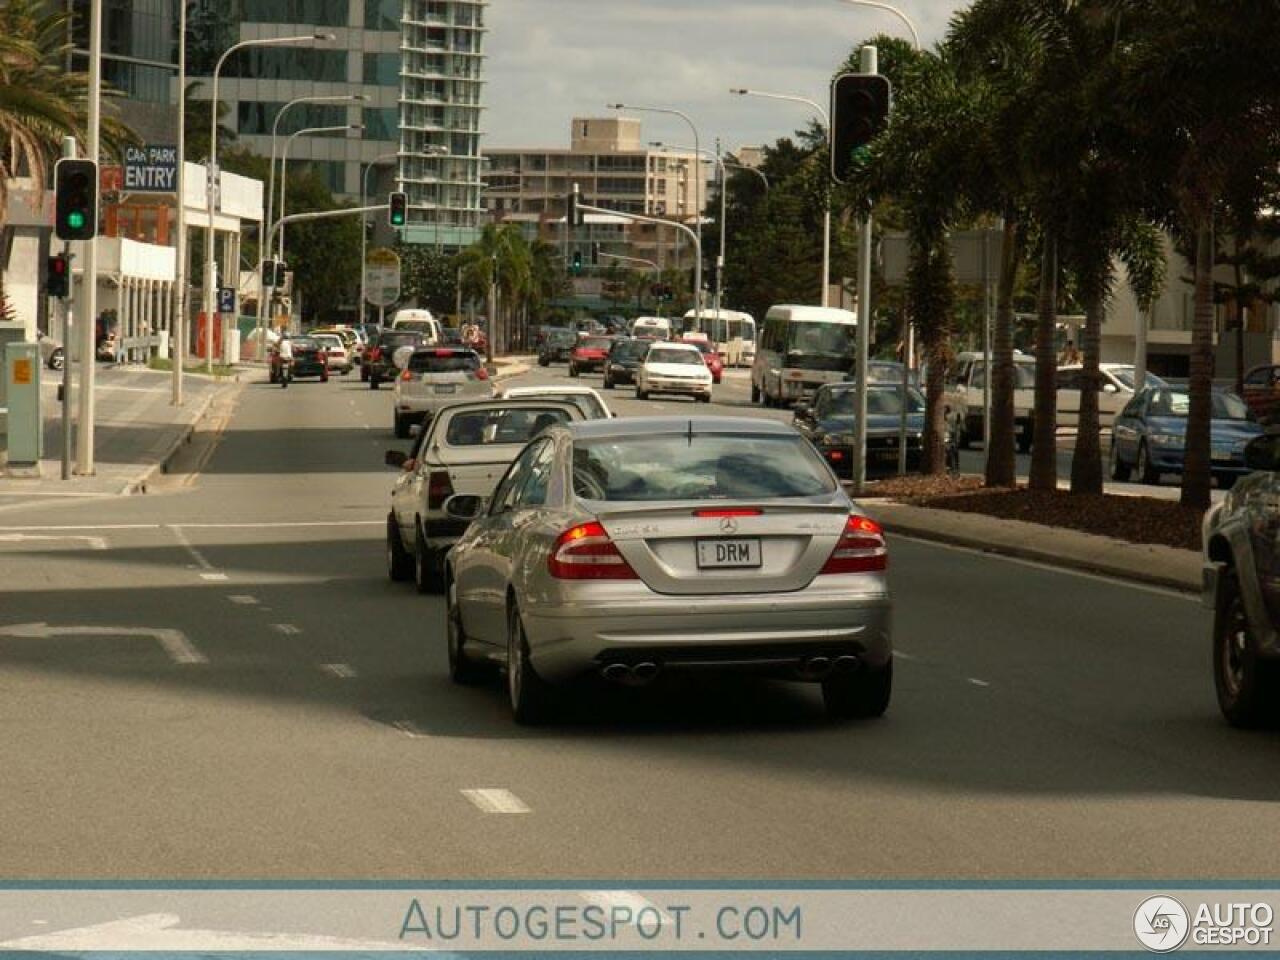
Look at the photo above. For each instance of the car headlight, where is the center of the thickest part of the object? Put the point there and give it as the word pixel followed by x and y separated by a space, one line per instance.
pixel 1166 440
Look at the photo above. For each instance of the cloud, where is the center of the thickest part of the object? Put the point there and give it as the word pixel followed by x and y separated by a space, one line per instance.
pixel 551 60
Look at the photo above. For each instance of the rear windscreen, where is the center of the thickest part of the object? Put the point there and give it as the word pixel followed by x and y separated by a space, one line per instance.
pixel 449 363
pixel 483 427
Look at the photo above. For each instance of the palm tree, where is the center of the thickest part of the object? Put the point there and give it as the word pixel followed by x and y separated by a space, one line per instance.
pixel 501 258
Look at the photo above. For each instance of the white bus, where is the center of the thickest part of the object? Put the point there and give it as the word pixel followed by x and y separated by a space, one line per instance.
pixel 731 333
pixel 800 349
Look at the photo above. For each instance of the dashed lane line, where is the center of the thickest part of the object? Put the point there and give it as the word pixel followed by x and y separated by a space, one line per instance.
pixel 494 800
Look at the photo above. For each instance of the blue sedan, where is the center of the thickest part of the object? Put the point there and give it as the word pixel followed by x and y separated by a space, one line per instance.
pixel 1149 436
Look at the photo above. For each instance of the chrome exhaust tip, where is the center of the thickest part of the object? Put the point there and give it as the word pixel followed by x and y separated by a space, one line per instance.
pixel 645 672
pixel 845 664
pixel 817 666
pixel 616 672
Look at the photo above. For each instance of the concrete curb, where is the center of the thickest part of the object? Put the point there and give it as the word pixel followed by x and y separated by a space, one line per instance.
pixel 1069 549
pixel 507 371
pixel 139 483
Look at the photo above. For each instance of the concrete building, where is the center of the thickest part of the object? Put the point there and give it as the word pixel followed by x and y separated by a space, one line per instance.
pixel 613 168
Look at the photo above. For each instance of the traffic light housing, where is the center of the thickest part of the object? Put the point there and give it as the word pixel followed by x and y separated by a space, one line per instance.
pixel 860 105
pixel 57 276
pixel 573 216
pixel 268 273
pixel 282 268
pixel 75 192
pixel 398 209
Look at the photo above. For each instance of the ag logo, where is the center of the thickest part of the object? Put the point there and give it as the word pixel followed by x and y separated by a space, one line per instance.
pixel 1161 924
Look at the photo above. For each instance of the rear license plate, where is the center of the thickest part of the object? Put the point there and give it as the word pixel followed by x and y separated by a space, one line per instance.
pixel 447 388
pixel 713 554
pixel 886 455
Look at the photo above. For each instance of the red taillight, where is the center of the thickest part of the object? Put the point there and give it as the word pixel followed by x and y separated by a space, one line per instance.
pixel 375 353
pixel 585 552
pixel 439 488
pixel 482 374
pixel 861 548
pixel 730 512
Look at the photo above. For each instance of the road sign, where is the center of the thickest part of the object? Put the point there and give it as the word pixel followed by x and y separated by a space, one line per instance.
pixel 382 277
pixel 226 300
pixel 151 169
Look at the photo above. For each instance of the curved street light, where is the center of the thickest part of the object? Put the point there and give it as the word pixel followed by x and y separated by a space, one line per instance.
pixel 889 8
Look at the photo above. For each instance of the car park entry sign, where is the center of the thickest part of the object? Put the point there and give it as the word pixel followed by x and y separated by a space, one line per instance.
pixel 151 169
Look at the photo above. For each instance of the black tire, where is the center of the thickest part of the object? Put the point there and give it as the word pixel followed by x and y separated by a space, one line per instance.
pixel 399 563
pixel 462 669
pixel 531 697
pixel 401 427
pixel 544 362
pixel 573 371
pixel 374 382
pixel 755 392
pixel 1120 471
pixel 608 384
pixel 1026 439
pixel 1247 685
pixel 426 564
pixel 705 398
pixel 859 695
pixel 1146 473
pixel 641 394
pixel 364 374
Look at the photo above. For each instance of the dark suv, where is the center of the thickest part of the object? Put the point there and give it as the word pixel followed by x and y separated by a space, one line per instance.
pixel 1242 587
pixel 375 364
pixel 625 356
pixel 556 346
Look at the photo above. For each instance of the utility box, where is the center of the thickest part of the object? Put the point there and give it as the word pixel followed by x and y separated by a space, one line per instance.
pixel 22 369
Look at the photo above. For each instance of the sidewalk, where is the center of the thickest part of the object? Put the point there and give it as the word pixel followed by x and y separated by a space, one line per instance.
pixel 1142 563
pixel 137 430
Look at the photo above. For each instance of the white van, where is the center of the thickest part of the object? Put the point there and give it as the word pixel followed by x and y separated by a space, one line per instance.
pixel 800 350
pixel 659 327
pixel 419 321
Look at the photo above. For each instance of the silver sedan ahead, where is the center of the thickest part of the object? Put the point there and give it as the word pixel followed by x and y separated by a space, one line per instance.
pixel 626 549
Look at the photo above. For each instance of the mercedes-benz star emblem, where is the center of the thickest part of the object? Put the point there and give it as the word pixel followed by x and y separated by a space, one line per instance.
pixel 728 525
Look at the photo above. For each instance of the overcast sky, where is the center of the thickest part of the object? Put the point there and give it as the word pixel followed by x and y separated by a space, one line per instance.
pixel 551 60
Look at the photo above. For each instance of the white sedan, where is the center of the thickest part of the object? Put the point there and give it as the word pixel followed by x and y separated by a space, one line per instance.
pixel 336 351
pixel 676 368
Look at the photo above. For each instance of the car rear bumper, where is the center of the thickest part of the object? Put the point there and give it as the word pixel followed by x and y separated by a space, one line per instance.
pixel 692 388
pixel 770 632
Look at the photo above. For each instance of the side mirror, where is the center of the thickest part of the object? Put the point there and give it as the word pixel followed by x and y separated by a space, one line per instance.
pixel 396 458
pixel 1263 453
pixel 464 506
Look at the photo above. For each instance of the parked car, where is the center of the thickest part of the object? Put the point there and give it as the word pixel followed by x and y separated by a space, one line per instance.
pixel 433 377
pixel 376 365
pixel 556 346
pixel 1262 393
pixel 829 423
pixel 1115 394
pixel 591 403
pixel 603 536
pixel 309 360
pixel 624 359
pixel 335 351
pixel 1242 588
pixel 51 352
pixel 465 450
pixel 710 358
pixel 673 368
pixel 965 398
pixel 1149 436
pixel 588 355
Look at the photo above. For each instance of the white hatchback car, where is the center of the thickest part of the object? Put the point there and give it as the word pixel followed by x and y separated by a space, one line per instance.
pixel 592 404
pixel 676 368
pixel 432 377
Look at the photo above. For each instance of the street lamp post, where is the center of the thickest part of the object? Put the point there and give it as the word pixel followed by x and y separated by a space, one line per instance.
pixel 724 189
pixel 889 8
pixel 284 164
pixel 697 191
pixel 742 166
pixel 826 215
pixel 271 195
pixel 210 266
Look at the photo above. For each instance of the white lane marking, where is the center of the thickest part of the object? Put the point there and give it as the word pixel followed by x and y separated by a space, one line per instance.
pixel 1035 564
pixel 288 629
pixel 18 492
pixel 243 599
pixel 93 543
pixel 978 683
pixel 492 800
pixel 196 555
pixel 343 671
pixel 277 525
pixel 637 907
pixel 215 577
pixel 174 642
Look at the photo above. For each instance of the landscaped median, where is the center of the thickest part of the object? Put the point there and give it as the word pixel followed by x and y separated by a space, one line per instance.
pixel 1134 538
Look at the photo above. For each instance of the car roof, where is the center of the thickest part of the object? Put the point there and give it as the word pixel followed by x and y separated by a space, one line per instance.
pixel 797 311
pixel 548 389
pixel 649 426
pixel 511 403
pixel 434 351
pixel 679 344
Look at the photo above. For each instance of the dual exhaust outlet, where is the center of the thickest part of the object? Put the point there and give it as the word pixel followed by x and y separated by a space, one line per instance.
pixel 644 673
pixel 816 668
pixel 631 675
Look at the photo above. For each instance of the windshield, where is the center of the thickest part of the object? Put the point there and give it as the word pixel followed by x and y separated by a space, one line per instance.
pixel 630 349
pixel 561 337
pixel 822 339
pixel 702 467
pixel 1176 403
pixel 591 408
pixel 879 403
pixel 1024 376
pixel 445 361
pixel 659 355
pixel 485 427
pixel 303 343
pixel 1126 378
pixel 595 343
pixel 392 340
pixel 421 326
pixel 884 373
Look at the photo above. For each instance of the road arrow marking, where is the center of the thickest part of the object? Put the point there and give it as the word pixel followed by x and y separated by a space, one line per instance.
pixel 93 543
pixel 174 642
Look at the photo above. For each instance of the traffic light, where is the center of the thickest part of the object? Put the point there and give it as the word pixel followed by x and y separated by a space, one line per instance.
pixel 282 268
pixel 595 254
pixel 75 191
pixel 268 273
pixel 860 105
pixel 398 209
pixel 57 276
pixel 577 261
pixel 711 274
pixel 573 216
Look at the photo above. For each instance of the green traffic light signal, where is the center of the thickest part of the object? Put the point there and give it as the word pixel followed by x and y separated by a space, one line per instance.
pixel 75 219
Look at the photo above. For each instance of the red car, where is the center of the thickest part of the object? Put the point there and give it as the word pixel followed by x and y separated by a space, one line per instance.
pixel 710 358
pixel 589 354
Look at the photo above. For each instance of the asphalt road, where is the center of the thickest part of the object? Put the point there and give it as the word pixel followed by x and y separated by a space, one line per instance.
pixel 217 680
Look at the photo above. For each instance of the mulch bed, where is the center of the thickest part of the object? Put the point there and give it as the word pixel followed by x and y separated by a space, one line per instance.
pixel 1134 519
pixel 916 485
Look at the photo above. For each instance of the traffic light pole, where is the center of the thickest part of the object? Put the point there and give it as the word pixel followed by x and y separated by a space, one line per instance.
pixel 89 322
pixel 870 65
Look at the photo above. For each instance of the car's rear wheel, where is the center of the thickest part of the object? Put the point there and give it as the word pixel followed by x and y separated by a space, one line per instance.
pixel 425 575
pixel 1120 471
pixel 641 394
pixel 1026 438
pixel 1147 473
pixel 859 695
pixel 755 393
pixel 364 373
pixel 401 426
pixel 1248 686
pixel 544 361
pixel 608 384
pixel 462 669
pixel 573 371
pixel 531 697
pixel 704 398
pixel 374 382
pixel 399 563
